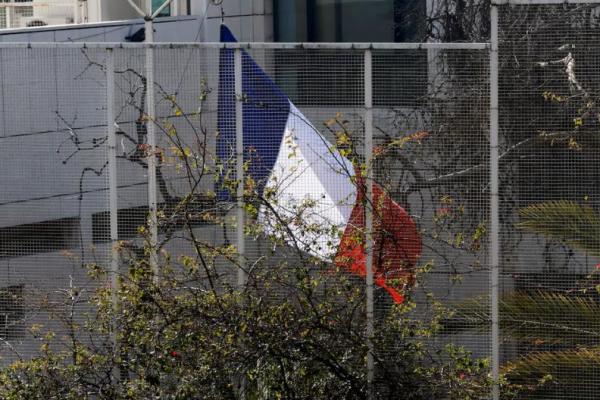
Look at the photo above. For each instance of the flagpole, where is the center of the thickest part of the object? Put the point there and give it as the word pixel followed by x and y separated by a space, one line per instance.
pixel 239 150
pixel 112 194
pixel 151 138
pixel 494 239
pixel 369 219
pixel 150 127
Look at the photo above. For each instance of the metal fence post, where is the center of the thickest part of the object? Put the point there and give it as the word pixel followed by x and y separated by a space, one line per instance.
pixel 239 150
pixel 239 171
pixel 112 182
pixel 151 132
pixel 369 216
pixel 494 203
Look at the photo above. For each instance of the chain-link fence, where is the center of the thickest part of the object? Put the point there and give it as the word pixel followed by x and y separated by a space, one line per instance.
pixel 465 170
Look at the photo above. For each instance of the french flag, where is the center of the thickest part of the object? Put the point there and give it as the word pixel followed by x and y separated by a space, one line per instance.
pixel 314 193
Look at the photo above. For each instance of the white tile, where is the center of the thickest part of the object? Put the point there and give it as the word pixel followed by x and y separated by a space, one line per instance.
pixel 259 6
pixel 213 11
pixel 44 36
pixel 267 24
pixel 247 30
pixel 259 28
pixel 198 7
pixel 118 34
pixel 79 35
pixel 176 31
pixel 235 26
pixel 16 37
pixel 246 7
pixel 230 7
pixel 212 27
pixel 268 5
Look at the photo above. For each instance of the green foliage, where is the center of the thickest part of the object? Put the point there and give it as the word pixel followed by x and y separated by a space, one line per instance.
pixel 576 225
pixel 295 330
pixel 177 340
pixel 571 373
pixel 559 330
pixel 538 317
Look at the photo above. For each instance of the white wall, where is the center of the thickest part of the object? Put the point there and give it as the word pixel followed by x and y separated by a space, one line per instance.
pixel 110 10
pixel 249 20
pixel 171 29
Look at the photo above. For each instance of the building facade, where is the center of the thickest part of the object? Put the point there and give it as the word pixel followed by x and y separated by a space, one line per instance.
pixel 249 20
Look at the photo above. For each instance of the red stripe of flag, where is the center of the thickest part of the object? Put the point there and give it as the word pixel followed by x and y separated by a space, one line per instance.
pixel 396 244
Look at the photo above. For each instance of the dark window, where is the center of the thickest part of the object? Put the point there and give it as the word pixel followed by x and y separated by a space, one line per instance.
pixel 156 5
pixel 129 220
pixel 40 237
pixel 320 77
pixel 328 78
pixel 349 20
pixel 36 22
pixel 558 173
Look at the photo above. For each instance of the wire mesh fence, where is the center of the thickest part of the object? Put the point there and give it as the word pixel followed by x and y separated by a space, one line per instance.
pixel 303 132
pixel 53 183
pixel 548 180
pixel 263 159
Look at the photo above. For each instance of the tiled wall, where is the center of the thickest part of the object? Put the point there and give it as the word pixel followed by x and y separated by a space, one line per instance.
pixel 171 29
pixel 249 20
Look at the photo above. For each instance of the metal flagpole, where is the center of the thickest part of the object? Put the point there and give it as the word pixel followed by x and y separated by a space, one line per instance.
pixel 150 127
pixel 239 171
pixel 151 138
pixel 75 11
pixel 239 150
pixel 494 203
pixel 112 184
pixel 369 217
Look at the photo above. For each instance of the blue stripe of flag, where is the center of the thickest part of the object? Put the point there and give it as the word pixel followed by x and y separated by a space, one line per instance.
pixel 265 114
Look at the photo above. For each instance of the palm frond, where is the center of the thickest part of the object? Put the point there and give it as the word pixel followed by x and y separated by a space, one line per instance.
pixel 566 374
pixel 538 317
pixel 569 222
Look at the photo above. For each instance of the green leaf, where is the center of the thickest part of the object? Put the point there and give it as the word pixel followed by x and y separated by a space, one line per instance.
pixel 537 318
pixel 569 222
pixel 565 374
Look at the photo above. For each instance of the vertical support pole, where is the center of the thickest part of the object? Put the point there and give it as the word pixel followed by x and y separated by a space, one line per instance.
pixel 494 203
pixel 83 12
pixel 368 82
pixel 112 183
pixel 8 14
pixel 239 165
pixel 75 11
pixel 151 138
